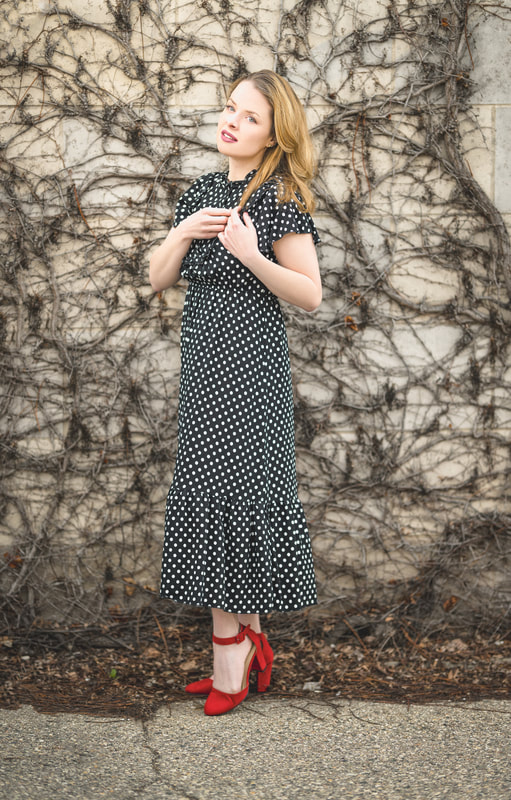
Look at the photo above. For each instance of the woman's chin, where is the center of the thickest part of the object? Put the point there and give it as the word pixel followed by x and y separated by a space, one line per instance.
pixel 223 147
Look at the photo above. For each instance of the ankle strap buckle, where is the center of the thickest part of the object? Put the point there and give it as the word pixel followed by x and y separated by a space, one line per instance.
pixel 240 637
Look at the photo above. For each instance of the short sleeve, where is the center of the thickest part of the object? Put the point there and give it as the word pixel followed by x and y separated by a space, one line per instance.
pixel 287 218
pixel 190 201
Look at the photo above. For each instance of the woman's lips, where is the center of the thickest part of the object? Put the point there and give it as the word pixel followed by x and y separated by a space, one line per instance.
pixel 228 137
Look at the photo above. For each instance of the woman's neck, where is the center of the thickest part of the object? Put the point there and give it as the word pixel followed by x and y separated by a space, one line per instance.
pixel 239 169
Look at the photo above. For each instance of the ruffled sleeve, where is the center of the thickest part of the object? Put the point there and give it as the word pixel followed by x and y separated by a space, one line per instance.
pixel 288 218
pixel 274 220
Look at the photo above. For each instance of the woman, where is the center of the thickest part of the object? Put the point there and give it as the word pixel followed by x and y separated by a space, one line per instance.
pixel 236 539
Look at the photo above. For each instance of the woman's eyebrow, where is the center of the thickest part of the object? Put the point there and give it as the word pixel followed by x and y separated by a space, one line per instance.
pixel 233 103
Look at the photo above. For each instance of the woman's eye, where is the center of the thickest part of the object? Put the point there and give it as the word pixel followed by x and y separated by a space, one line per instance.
pixel 251 119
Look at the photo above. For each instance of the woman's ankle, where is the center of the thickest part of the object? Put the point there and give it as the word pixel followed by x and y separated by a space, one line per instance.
pixel 225 624
pixel 252 620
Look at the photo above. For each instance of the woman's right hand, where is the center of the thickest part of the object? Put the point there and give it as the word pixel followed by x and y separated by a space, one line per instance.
pixel 164 267
pixel 205 223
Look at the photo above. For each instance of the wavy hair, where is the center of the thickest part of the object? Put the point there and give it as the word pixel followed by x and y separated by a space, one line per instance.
pixel 291 159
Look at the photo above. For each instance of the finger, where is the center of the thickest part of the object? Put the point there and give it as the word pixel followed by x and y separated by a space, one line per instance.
pixel 217 223
pixel 234 219
pixel 248 222
pixel 218 212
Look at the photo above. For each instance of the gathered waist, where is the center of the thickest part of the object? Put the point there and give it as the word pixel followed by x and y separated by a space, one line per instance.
pixel 241 287
pixel 203 266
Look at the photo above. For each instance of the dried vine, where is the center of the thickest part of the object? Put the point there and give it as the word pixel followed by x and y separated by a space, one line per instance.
pixel 402 379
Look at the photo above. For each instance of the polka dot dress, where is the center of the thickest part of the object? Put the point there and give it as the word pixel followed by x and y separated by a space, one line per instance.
pixel 235 531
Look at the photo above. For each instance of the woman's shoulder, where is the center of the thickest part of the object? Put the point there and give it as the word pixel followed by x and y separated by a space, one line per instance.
pixel 273 192
pixel 282 209
pixel 267 192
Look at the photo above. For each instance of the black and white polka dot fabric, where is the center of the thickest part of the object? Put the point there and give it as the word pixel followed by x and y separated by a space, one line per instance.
pixel 235 531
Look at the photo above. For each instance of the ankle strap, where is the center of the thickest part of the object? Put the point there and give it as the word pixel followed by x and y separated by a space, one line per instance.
pixel 240 636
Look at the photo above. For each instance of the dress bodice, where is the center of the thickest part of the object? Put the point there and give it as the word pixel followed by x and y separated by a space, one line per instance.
pixel 207 260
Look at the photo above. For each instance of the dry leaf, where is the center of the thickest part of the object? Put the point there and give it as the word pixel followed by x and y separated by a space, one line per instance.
pixel 456 646
pixel 151 652
pixel 450 602
pixel 188 665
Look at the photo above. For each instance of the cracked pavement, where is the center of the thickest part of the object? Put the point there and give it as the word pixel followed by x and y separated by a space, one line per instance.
pixel 269 748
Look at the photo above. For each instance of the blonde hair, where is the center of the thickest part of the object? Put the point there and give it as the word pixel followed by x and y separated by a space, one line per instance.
pixel 291 158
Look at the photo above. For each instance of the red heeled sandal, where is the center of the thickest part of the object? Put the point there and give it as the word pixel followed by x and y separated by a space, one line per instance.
pixel 218 702
pixel 205 685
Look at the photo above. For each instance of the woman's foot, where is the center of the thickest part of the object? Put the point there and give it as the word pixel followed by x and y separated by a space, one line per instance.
pixel 230 659
pixel 232 670
pixel 229 665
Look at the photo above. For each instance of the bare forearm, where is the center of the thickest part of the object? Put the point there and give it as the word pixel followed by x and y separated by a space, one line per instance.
pixel 165 262
pixel 289 285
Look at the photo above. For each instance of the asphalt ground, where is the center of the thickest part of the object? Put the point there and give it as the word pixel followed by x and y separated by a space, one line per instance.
pixel 267 749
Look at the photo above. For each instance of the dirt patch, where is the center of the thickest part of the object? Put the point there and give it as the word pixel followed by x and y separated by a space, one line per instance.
pixel 131 666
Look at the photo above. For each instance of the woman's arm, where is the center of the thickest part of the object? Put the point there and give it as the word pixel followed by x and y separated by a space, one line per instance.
pixel 295 278
pixel 165 262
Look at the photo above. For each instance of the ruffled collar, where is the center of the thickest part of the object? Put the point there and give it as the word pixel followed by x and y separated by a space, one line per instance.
pixel 244 180
pixel 236 188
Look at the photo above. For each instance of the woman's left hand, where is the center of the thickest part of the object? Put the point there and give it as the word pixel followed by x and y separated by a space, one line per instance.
pixel 239 237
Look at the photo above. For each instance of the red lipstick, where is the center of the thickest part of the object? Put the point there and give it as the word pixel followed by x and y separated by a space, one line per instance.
pixel 228 137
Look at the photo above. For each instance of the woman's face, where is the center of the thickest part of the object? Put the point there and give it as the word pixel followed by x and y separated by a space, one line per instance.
pixel 245 126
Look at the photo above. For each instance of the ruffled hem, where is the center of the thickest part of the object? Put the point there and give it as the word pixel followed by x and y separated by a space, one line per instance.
pixel 234 610
pixel 239 555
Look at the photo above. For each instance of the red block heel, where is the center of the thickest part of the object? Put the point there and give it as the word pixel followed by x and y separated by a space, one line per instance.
pixel 205 685
pixel 219 702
